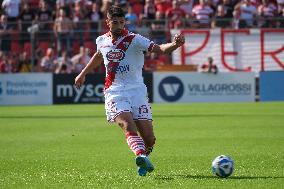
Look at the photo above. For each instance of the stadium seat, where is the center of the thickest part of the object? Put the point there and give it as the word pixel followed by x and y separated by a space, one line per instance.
pixel 15 47
pixel 34 4
pixel 90 45
pixel 86 35
pixel 44 45
pixel 27 48
pixel 75 47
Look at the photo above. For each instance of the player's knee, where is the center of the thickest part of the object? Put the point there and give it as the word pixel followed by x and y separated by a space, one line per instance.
pixel 126 126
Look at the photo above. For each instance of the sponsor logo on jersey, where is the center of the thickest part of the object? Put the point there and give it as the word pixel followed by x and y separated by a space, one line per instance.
pixel 113 67
pixel 115 55
pixel 123 69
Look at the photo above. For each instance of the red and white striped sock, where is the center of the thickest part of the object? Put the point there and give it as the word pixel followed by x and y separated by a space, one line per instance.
pixel 136 143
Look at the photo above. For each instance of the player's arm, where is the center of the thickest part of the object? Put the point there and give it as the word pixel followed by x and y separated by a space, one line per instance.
pixel 93 63
pixel 169 47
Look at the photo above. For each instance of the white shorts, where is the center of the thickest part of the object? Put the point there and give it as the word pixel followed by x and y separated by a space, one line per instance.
pixel 133 100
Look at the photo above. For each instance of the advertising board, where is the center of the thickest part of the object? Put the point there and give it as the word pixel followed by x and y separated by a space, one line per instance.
pixel 271 86
pixel 203 87
pixel 26 89
pixel 64 91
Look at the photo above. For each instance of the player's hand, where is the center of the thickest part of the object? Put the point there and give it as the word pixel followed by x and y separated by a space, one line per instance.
pixel 79 81
pixel 179 40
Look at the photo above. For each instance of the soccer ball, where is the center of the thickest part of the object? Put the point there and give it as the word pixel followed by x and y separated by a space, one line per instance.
pixel 222 166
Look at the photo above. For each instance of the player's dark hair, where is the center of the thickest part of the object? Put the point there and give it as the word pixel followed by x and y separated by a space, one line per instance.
pixel 115 11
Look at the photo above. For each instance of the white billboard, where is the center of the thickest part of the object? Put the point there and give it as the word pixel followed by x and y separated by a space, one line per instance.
pixel 25 89
pixel 203 87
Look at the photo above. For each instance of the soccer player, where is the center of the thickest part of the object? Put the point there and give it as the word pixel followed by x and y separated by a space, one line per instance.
pixel 126 101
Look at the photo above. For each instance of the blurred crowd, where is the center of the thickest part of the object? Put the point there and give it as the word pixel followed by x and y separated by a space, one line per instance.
pixel 59 35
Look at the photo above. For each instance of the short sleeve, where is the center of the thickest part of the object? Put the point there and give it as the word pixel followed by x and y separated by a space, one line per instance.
pixel 98 43
pixel 143 43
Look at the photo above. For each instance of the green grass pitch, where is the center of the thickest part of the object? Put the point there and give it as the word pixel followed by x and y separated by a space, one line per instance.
pixel 72 146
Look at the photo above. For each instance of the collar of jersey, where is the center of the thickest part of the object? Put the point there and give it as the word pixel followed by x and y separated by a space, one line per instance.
pixel 123 34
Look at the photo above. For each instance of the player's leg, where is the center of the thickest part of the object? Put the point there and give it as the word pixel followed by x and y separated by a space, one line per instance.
pixel 135 142
pixel 125 121
pixel 145 129
pixel 142 115
pixel 119 110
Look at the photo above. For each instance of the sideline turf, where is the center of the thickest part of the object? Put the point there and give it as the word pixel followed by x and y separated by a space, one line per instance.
pixel 72 146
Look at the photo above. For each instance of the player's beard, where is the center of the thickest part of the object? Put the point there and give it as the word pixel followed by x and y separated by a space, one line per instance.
pixel 117 32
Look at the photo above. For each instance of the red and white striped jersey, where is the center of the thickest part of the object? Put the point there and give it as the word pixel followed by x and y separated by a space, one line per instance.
pixel 123 59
